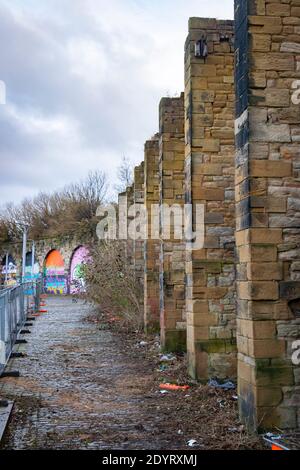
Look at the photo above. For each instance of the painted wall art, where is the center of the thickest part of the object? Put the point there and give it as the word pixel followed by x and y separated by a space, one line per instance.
pixel 9 272
pixel 54 274
pixel 32 272
pixel 79 259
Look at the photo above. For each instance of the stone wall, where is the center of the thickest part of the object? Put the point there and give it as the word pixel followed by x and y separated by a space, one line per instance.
pixel 209 154
pixel 139 262
pixel 172 194
pixel 268 210
pixel 152 245
pixel 130 253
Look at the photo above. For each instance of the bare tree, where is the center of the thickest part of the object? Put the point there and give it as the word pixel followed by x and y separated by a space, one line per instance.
pixel 125 175
pixel 110 283
pixel 70 210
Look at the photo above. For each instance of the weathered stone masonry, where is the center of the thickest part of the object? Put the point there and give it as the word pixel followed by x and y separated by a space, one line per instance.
pixel 245 281
pixel 152 245
pixel 125 201
pixel 210 272
pixel 268 203
pixel 139 243
pixel 172 194
pixel 130 244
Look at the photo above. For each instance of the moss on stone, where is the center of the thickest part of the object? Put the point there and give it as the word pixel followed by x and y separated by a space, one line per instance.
pixel 175 341
pixel 217 346
pixel 275 376
pixel 213 267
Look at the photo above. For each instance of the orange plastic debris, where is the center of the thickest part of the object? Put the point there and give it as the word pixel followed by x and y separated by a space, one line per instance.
pixel 173 387
pixel 275 447
pixel 43 311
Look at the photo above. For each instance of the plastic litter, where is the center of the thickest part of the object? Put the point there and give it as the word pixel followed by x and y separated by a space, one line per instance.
pixel 174 387
pixel 225 386
pixel 143 343
pixel 238 429
pixel 221 402
pixel 192 443
pixel 274 437
pixel 163 392
pixel 167 358
pixel 233 430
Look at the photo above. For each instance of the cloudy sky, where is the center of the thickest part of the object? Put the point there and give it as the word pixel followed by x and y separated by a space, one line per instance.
pixel 83 81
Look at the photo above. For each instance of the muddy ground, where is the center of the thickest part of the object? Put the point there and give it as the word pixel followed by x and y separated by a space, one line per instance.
pixel 85 386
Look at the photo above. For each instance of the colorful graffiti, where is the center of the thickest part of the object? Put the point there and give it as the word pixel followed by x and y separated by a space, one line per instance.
pixel 32 270
pixel 54 274
pixel 9 271
pixel 79 259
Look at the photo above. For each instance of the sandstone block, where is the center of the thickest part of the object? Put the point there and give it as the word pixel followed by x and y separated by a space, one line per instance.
pixel 258 290
pixel 267 348
pixel 278 9
pixel 278 98
pixel 265 271
pixel 273 61
pixel 265 24
pixel 270 169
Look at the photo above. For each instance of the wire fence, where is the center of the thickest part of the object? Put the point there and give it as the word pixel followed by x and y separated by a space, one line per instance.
pixel 15 305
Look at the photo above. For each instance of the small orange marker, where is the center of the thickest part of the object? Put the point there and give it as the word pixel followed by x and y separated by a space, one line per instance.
pixel 174 387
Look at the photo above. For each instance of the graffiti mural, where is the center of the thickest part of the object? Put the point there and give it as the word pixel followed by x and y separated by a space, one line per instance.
pixel 54 274
pixel 79 259
pixel 32 270
pixel 8 271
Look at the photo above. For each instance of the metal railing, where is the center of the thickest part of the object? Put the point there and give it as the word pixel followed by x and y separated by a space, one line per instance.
pixel 15 304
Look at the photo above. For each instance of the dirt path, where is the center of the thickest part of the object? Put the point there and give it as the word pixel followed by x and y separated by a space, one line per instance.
pixel 80 388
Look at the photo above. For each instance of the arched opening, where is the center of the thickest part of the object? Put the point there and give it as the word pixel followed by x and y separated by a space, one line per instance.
pixel 78 261
pixel 54 273
pixel 32 267
pixel 8 271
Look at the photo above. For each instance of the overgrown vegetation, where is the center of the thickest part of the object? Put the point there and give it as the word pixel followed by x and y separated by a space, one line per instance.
pixel 110 281
pixel 69 211
pixel 111 284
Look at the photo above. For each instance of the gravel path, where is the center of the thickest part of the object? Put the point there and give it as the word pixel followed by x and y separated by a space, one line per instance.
pixel 78 389
pixel 85 387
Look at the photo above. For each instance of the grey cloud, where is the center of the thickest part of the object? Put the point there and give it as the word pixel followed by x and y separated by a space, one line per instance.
pixel 100 67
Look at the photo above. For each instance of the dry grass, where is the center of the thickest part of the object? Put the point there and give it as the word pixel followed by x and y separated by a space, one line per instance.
pixel 208 415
